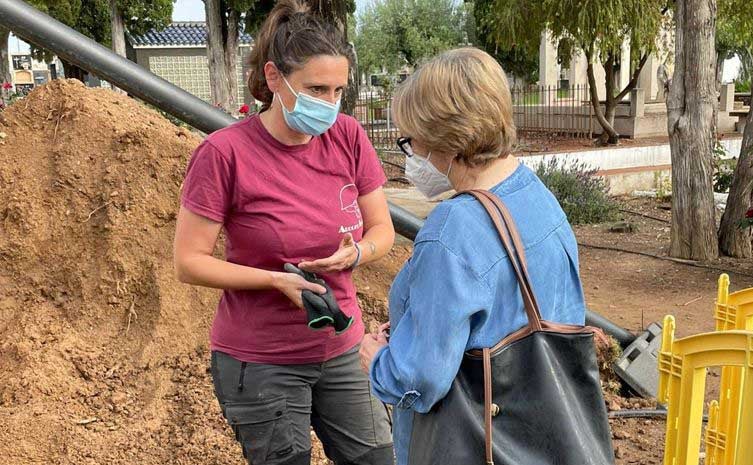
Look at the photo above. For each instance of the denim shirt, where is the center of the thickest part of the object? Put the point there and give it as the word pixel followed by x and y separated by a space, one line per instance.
pixel 458 292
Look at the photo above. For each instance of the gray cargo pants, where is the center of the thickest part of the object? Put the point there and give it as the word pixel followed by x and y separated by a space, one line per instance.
pixel 271 409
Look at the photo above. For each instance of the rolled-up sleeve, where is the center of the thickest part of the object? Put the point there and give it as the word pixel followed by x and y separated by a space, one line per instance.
pixel 426 347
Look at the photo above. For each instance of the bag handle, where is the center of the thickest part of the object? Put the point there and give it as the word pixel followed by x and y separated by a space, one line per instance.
pixel 513 245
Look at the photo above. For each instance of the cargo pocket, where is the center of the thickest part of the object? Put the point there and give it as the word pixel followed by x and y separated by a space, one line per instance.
pixel 263 429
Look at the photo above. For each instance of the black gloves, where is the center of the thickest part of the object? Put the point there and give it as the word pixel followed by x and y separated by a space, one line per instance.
pixel 322 309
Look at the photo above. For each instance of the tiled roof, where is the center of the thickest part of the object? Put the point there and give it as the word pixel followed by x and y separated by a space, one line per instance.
pixel 178 34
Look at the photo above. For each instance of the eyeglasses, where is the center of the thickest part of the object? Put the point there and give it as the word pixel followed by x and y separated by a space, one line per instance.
pixel 405 147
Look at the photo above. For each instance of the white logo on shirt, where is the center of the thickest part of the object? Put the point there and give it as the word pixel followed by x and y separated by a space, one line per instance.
pixel 349 203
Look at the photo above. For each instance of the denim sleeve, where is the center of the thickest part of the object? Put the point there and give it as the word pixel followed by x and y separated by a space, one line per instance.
pixel 426 347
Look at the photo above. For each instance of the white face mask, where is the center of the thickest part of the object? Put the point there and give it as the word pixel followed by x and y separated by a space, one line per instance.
pixel 426 177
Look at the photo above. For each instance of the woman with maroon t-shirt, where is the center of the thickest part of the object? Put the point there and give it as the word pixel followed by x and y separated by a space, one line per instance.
pixel 297 183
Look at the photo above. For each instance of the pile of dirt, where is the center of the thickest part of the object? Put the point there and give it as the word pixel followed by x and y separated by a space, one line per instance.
pixel 103 354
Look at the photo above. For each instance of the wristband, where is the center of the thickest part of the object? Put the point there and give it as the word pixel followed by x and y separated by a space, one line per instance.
pixel 358 257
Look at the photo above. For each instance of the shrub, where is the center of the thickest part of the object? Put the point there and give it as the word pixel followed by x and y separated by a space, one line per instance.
pixel 724 168
pixel 583 195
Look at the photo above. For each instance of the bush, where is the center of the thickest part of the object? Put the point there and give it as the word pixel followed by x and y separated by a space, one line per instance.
pixel 724 169
pixel 583 196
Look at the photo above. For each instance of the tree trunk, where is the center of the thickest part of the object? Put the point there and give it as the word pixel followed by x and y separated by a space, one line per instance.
pixel 721 57
pixel 610 105
pixel 734 241
pixel 231 41
pixel 218 73
pixel 691 122
pixel 118 34
pixel 350 99
pixel 610 136
pixel 5 75
pixel 608 129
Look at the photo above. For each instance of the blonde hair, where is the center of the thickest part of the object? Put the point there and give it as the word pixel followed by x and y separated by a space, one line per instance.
pixel 458 102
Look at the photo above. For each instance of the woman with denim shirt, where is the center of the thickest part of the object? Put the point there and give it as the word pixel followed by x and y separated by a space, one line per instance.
pixel 458 291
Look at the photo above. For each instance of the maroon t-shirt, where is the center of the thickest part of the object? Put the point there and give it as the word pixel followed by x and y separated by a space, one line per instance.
pixel 281 204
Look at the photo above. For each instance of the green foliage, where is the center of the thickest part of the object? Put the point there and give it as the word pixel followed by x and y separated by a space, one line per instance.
pixel 742 86
pixel 598 28
pixel 92 17
pixel 140 16
pixel 8 97
pixel 394 33
pixel 724 168
pixel 89 17
pixel 515 60
pixel 583 195
pixel 734 33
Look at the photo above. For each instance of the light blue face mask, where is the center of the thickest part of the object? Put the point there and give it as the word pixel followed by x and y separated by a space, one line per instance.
pixel 310 115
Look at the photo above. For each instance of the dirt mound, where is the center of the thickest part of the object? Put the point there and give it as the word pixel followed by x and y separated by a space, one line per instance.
pixel 102 352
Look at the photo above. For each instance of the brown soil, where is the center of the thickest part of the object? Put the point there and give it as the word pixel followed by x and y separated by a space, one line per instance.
pixel 103 355
pixel 103 352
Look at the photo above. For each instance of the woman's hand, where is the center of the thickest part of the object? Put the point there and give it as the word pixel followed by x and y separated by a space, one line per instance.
pixel 370 345
pixel 292 285
pixel 342 259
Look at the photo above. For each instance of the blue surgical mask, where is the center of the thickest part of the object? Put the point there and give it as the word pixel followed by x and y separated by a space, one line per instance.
pixel 310 115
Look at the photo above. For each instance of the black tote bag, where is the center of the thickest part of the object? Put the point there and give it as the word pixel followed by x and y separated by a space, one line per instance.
pixel 533 399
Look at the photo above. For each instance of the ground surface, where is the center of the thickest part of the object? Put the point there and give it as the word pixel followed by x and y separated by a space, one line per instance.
pixel 103 355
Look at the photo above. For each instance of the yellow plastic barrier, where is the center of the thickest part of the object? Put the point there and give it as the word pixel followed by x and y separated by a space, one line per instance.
pixel 732 311
pixel 716 438
pixel 682 382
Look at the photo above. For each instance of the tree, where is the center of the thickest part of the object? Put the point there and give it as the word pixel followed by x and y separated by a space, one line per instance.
pixel 736 24
pixel 5 75
pixel 94 19
pixel 691 121
pixel 598 29
pixel 395 33
pixel 515 60
pixel 138 17
pixel 89 17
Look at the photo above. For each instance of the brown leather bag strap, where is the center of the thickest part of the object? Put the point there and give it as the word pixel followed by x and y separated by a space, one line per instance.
pixel 517 242
pixel 488 405
pixel 529 303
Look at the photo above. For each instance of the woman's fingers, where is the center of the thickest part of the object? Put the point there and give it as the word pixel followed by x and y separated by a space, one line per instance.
pixel 339 261
pixel 316 288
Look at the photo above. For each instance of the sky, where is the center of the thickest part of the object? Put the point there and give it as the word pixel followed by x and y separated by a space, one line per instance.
pixel 193 10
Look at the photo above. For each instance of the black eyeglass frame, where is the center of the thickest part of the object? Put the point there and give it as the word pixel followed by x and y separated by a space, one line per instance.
pixel 404 144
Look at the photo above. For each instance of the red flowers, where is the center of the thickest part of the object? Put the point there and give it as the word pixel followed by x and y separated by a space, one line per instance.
pixel 7 85
pixel 749 213
pixel 244 109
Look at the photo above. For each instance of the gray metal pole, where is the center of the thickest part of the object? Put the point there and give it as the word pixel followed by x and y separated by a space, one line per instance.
pixel 50 34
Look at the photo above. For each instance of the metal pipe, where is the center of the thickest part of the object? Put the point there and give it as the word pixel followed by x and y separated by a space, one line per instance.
pixel 45 32
pixel 621 335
